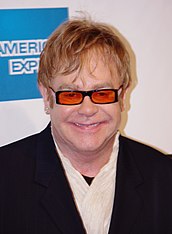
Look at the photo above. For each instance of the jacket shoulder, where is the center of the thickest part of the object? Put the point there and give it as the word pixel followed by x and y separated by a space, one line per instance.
pixel 137 146
pixel 18 157
pixel 143 153
pixel 154 166
pixel 26 144
pixel 22 145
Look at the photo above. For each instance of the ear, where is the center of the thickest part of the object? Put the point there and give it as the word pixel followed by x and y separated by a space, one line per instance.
pixel 46 97
pixel 122 97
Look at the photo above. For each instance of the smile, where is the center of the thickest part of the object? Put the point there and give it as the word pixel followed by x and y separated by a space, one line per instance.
pixel 91 127
pixel 87 125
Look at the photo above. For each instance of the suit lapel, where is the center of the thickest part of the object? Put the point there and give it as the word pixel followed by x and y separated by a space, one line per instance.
pixel 58 198
pixel 127 203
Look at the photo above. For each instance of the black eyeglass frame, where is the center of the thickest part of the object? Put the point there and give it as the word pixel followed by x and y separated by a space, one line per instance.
pixel 84 94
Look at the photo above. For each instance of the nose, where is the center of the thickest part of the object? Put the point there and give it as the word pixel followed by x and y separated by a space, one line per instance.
pixel 87 107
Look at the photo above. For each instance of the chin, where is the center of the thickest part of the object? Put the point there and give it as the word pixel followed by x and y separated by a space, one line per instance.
pixel 86 146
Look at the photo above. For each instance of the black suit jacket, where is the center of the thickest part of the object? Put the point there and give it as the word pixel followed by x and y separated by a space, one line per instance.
pixel 35 197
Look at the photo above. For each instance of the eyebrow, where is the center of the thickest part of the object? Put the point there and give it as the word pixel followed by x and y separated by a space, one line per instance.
pixel 67 87
pixel 76 87
pixel 103 85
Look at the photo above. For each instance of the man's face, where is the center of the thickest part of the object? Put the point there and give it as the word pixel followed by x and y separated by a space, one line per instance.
pixel 86 128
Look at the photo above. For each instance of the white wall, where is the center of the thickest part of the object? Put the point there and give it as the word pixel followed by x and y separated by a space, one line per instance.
pixel 147 25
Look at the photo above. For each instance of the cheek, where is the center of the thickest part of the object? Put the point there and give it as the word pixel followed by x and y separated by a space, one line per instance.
pixel 61 113
pixel 113 110
pixel 115 117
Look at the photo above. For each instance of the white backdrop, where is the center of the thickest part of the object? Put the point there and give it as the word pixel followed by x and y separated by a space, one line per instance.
pixel 147 25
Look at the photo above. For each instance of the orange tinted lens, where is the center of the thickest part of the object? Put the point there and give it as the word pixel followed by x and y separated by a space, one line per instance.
pixel 70 98
pixel 103 96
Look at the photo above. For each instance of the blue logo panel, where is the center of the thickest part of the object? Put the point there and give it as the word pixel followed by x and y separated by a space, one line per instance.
pixel 23 34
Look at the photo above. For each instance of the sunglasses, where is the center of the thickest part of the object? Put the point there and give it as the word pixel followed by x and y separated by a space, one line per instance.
pixel 99 96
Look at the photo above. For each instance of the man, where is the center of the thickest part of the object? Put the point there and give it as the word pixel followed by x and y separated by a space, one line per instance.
pixel 80 175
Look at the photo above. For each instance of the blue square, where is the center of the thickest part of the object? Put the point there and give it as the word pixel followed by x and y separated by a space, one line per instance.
pixel 23 34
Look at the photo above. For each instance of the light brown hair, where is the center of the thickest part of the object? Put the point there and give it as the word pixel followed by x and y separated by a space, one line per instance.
pixel 67 48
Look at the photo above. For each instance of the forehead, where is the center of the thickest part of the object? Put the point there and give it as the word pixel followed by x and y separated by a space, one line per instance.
pixel 96 70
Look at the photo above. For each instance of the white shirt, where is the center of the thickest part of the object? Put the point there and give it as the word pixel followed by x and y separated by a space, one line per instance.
pixel 94 202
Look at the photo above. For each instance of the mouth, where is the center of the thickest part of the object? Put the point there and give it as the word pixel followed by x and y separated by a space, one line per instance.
pixel 89 126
